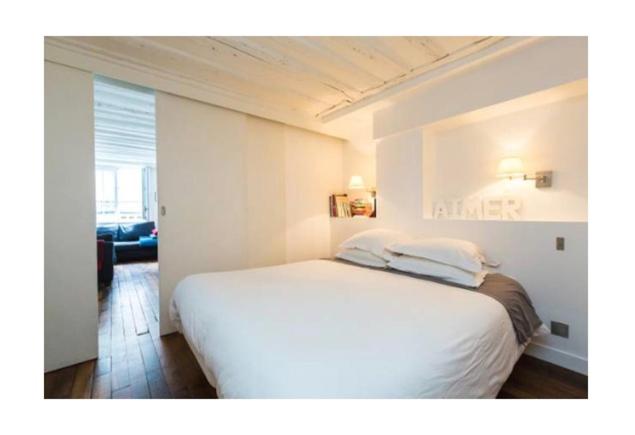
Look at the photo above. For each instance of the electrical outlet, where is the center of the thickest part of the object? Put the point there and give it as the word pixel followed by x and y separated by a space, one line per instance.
pixel 559 243
pixel 560 329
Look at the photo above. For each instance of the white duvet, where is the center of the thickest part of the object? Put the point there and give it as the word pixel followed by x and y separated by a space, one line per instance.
pixel 322 329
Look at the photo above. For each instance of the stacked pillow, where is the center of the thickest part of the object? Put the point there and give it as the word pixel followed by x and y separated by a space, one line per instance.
pixel 364 258
pixel 369 248
pixel 453 260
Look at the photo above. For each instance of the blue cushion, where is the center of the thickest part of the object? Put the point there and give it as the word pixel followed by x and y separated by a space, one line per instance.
pixel 147 242
pixel 132 232
pixel 108 230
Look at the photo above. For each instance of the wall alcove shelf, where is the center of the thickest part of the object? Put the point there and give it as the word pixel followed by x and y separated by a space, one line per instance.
pixel 341 207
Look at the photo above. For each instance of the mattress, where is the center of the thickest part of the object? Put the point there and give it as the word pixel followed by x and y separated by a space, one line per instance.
pixel 323 329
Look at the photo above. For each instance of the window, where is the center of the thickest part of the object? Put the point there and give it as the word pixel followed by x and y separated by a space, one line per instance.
pixel 125 148
pixel 119 194
pixel 105 195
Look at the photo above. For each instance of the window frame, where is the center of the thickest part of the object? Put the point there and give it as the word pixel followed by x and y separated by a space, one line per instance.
pixel 116 217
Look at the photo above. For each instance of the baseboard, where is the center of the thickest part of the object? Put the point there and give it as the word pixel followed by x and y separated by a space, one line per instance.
pixel 558 357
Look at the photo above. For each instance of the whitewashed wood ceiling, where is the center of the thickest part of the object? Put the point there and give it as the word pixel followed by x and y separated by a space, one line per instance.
pixel 125 130
pixel 315 76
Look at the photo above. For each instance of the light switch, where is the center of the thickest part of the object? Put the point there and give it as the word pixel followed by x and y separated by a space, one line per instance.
pixel 560 243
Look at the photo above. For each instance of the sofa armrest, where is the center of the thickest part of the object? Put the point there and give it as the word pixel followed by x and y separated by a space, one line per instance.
pixel 107 271
pixel 105 237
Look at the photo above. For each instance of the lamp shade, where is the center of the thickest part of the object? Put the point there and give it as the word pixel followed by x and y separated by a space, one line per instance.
pixel 511 167
pixel 357 182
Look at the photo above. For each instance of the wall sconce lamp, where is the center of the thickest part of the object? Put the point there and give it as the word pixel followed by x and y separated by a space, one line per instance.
pixel 357 183
pixel 512 167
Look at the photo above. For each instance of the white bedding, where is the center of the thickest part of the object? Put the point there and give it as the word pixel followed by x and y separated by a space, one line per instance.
pixel 322 329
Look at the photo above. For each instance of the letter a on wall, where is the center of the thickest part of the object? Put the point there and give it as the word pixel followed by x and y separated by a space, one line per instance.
pixel 440 210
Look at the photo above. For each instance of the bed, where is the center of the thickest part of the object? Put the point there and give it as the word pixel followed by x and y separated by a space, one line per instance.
pixel 328 329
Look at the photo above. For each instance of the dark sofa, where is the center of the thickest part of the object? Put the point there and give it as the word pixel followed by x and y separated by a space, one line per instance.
pixel 125 238
pixel 105 260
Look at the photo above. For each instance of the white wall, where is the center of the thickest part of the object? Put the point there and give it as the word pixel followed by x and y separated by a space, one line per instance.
pixel 359 156
pixel 239 192
pixel 544 64
pixel 399 177
pixel 313 172
pixel 416 161
pixel 461 162
pixel 556 281
pixel 70 259
pixel 266 192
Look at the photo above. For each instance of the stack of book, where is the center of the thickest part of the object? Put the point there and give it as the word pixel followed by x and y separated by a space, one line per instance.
pixel 360 207
pixel 340 206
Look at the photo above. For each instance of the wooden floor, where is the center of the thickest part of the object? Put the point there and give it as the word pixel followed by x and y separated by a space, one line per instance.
pixel 536 379
pixel 135 362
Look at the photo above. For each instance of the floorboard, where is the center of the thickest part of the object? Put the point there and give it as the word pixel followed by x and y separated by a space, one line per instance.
pixel 83 382
pixel 536 379
pixel 134 362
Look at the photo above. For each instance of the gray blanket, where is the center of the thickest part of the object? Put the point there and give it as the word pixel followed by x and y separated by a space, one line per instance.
pixel 516 301
pixel 502 288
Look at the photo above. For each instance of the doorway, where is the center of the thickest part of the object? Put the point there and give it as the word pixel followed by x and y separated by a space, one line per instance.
pixel 127 234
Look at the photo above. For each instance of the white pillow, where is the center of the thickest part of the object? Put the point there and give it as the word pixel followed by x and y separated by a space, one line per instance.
pixel 454 252
pixel 375 241
pixel 421 266
pixel 362 257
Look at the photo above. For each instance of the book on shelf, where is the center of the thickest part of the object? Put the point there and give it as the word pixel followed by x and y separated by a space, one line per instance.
pixel 340 206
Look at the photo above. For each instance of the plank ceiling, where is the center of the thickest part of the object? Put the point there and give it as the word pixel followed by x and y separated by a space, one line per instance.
pixel 125 131
pixel 315 76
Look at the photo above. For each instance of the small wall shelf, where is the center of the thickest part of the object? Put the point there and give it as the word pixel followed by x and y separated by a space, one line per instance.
pixel 355 218
pixel 340 207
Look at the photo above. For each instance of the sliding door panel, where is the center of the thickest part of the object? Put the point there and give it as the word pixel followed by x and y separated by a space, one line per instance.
pixel 201 187
pixel 70 252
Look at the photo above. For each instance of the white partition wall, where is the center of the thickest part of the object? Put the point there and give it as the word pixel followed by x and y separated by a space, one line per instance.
pixel 266 223
pixel 70 258
pixel 238 192
pixel 313 172
pixel 442 143
pixel 555 280
pixel 201 184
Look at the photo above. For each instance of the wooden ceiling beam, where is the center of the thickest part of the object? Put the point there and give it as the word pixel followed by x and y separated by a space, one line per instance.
pixel 310 79
pixel 460 58
pixel 135 50
pixel 401 51
pixel 315 47
pixel 219 54
pixel 276 52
